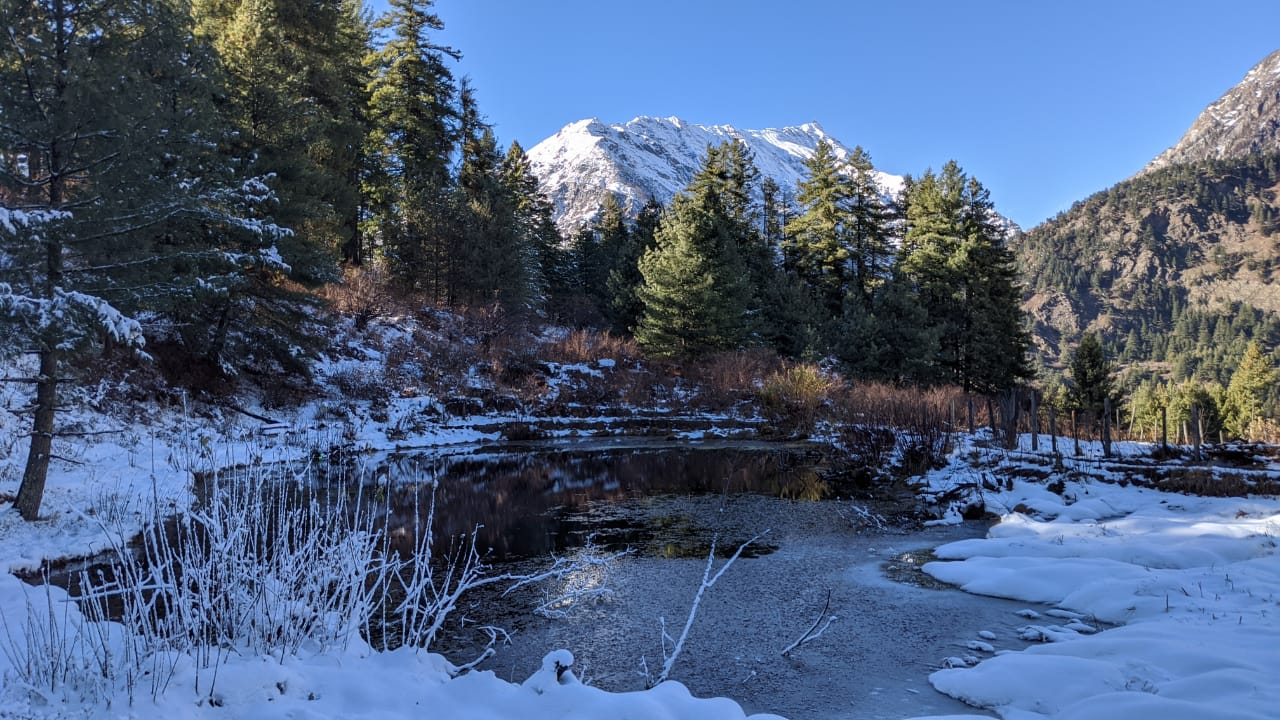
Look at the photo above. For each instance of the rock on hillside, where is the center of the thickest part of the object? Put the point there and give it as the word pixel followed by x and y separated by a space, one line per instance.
pixel 1245 121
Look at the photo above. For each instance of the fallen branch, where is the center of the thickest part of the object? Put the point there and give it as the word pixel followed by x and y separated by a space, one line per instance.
pixel 87 433
pixel 810 634
pixel 254 415
pixel 708 580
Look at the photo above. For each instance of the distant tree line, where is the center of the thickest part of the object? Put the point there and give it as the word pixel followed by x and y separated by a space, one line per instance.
pixel 919 288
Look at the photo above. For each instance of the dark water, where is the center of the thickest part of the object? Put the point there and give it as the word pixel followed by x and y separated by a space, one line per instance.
pixel 538 500
pixel 668 502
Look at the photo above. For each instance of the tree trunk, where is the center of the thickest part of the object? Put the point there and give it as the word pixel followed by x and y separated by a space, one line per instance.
pixel 36 473
pixel 31 492
pixel 1106 427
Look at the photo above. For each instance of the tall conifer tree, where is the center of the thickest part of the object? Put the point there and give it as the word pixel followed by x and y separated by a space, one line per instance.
pixel 696 290
pixel 816 247
pixel 112 202
pixel 295 92
pixel 414 133
pixel 953 254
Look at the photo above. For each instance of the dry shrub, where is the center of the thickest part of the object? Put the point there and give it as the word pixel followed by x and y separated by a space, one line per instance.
pixel 588 346
pixel 922 417
pixel 1205 482
pixel 728 378
pixel 360 383
pixel 796 396
pixel 363 294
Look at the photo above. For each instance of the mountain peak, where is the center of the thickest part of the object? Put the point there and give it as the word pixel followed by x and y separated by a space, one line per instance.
pixel 1244 121
pixel 655 158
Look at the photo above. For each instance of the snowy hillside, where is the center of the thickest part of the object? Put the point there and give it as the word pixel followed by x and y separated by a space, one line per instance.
pixel 1244 121
pixel 656 157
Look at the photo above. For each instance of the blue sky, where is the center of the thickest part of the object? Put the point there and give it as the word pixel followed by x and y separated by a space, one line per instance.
pixel 1043 101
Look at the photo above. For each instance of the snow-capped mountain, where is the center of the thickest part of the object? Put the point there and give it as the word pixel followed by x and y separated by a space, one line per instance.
pixel 1244 121
pixel 657 157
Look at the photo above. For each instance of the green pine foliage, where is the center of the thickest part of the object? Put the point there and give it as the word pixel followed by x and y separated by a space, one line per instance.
pixel 411 218
pixel 622 287
pixel 696 290
pixel 954 255
pixel 549 262
pixel 1245 405
pixel 115 205
pixel 1092 376
pixel 294 91
pixel 816 245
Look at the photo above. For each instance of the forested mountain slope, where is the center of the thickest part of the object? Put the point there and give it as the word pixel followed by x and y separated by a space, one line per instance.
pixel 1176 266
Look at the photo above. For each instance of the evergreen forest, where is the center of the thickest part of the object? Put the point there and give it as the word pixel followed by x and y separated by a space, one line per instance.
pixel 180 177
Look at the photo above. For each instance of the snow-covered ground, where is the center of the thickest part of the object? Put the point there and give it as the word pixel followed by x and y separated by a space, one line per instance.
pixel 1149 603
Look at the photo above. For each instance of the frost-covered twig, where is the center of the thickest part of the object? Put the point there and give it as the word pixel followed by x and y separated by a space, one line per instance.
pixel 860 515
pixel 585 575
pixel 708 580
pixel 814 632
pixel 493 632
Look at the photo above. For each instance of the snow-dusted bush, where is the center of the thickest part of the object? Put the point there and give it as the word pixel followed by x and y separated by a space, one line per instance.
pixel 260 566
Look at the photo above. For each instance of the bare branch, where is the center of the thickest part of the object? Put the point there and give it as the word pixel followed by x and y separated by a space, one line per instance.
pixel 708 580
pixel 810 634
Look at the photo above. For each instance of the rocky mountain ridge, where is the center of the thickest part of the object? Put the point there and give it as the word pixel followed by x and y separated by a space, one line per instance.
pixel 1193 237
pixel 655 158
pixel 1244 121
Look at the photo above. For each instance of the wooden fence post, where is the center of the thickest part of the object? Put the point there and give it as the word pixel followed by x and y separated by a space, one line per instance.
pixel 1106 427
pixel 1035 421
pixel 1053 436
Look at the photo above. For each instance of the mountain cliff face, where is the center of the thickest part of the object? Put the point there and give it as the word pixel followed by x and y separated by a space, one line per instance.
pixel 1245 121
pixel 1193 238
pixel 657 157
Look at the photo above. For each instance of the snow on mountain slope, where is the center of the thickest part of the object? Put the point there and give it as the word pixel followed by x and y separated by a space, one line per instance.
pixel 1244 121
pixel 656 157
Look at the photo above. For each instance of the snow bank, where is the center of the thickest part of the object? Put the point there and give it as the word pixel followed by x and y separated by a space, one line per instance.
pixel 1193 582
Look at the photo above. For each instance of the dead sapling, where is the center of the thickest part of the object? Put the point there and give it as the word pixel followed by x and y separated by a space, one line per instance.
pixel 815 630
pixel 672 647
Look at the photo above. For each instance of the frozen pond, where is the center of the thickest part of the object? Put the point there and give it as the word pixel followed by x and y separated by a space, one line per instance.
pixel 668 503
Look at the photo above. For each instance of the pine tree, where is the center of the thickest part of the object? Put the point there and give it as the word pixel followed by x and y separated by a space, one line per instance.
pixel 696 292
pixel 111 197
pixel 1246 393
pixel 536 226
pixel 622 287
pixel 414 133
pixel 1092 376
pixel 994 343
pixel 295 92
pixel 599 251
pixel 891 340
pixel 867 227
pixel 815 246
pixel 493 261
pixel 954 254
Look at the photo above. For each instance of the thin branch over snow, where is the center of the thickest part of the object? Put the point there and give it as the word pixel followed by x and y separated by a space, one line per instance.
pixel 708 580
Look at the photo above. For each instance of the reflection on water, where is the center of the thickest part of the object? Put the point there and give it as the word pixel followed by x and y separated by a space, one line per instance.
pixel 541 500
